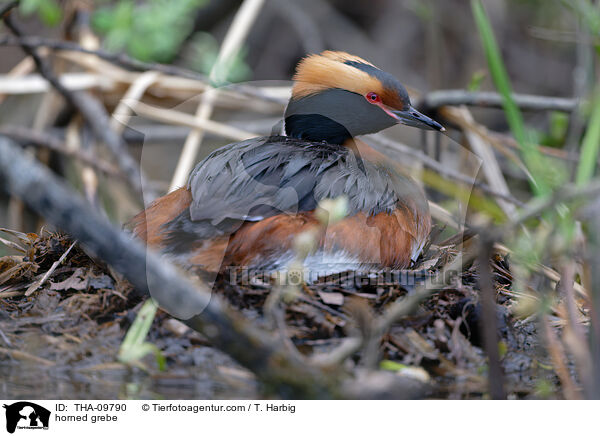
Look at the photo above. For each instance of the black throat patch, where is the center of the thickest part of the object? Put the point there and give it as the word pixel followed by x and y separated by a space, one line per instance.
pixel 315 127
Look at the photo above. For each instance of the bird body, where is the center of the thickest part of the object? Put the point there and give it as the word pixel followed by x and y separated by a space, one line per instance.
pixel 246 203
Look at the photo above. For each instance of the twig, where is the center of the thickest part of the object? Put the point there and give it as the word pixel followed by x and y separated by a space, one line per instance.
pixel 347 348
pixel 574 335
pixel 489 163
pixel 489 325
pixel 39 139
pixel 402 308
pixel 115 58
pixel 7 8
pixel 125 61
pixel 457 97
pixel 22 355
pixel 592 279
pixel 407 305
pixel 558 357
pixel 444 170
pixel 122 112
pixel 5 338
pixel 556 153
pixel 25 66
pixel 457 116
pixel 35 285
pixel 33 83
pixel 536 206
pixel 93 112
pixel 163 134
pixel 231 44
pixel 444 216
pixel 432 100
pixel 187 120
pixel 568 293
pixel 544 270
pixel 584 82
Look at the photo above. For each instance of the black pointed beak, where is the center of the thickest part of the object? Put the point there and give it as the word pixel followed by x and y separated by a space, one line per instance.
pixel 414 118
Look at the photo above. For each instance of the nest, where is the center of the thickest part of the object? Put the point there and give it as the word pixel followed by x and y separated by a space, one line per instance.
pixel 60 307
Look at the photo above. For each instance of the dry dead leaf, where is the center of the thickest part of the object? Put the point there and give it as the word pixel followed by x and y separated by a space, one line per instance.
pixel 13 267
pixel 333 298
pixel 75 282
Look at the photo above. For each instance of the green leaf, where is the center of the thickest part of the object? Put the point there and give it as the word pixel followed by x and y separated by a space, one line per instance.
pixel 150 30
pixel 590 145
pixel 540 169
pixel 28 7
pixel 48 10
pixel 390 365
pixel 559 124
pixel 134 347
pixel 476 81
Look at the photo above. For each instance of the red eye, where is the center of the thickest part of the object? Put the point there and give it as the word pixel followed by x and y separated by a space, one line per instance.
pixel 373 98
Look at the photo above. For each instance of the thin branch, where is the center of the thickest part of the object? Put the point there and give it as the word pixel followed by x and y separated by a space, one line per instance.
pixel 92 111
pixel 115 58
pixel 122 113
pixel 127 62
pixel 536 206
pixel 7 8
pixel 592 279
pixel 181 118
pixel 39 139
pixel 457 97
pixel 490 166
pixel 489 325
pixel 35 83
pixel 402 307
pixel 388 144
pixel 574 334
pixel 236 34
pixel 25 356
pixel 558 357
pixel 36 285
pixel 457 115
pixel 408 305
pixel 556 153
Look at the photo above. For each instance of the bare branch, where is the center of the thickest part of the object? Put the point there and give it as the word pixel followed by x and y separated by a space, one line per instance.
pixel 457 97
pixel 389 145
pixel 92 111
pixel 489 328
pixel 536 206
pixel 39 139
pixel 127 62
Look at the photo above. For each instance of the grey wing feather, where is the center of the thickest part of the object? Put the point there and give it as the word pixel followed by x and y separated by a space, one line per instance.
pixel 262 177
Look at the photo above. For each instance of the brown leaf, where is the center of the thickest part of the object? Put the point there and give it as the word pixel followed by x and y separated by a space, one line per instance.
pixel 333 298
pixel 75 282
pixel 13 267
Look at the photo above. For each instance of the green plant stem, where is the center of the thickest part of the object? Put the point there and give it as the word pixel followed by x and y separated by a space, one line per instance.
pixel 531 155
pixel 590 146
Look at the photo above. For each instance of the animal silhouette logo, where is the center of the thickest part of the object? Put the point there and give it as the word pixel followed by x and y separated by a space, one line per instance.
pixel 26 415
